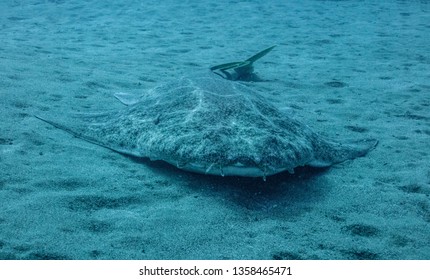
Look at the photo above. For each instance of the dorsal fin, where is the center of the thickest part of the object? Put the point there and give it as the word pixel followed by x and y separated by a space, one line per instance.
pixel 243 70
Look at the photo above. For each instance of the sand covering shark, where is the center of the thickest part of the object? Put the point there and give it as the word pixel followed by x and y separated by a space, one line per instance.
pixel 211 124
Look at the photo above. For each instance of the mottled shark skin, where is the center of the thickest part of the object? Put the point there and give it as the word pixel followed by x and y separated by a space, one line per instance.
pixel 211 125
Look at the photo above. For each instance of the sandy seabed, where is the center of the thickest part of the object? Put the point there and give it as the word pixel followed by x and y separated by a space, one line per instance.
pixel 348 69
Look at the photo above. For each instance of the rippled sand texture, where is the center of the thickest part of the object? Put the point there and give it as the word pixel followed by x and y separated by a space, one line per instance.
pixel 349 69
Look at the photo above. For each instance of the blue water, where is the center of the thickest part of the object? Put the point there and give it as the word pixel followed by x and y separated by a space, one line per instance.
pixel 348 69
